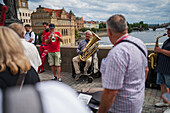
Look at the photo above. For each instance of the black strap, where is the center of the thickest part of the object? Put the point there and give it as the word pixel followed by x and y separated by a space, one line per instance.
pixel 35 41
pixel 21 79
pixel 134 44
pixel 30 33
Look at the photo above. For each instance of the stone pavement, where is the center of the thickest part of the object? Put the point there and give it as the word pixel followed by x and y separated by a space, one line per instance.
pixel 152 96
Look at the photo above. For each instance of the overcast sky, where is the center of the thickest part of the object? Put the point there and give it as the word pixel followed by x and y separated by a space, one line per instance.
pixel 149 11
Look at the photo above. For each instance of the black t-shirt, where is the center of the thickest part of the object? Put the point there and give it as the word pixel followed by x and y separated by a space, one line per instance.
pixel 9 80
pixel 163 63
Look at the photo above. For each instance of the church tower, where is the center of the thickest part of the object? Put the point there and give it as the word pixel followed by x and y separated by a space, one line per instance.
pixel 22 4
pixel 23 11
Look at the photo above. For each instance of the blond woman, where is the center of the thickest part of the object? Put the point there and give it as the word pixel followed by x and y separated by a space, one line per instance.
pixel 13 62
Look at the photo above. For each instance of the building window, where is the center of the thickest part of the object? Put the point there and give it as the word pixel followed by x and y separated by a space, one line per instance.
pixel 62 32
pixel 23 4
pixel 66 32
pixel 20 14
pixel 23 14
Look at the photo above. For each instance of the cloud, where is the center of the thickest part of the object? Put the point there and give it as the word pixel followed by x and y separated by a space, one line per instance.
pixel 152 11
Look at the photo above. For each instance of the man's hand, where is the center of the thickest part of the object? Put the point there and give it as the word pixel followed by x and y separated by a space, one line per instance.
pixel 81 52
pixel 108 97
pixel 42 37
pixel 158 49
pixel 50 36
pixel 163 51
pixel 55 35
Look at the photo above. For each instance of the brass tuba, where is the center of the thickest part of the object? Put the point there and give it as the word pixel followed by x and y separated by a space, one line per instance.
pixel 90 48
pixel 153 56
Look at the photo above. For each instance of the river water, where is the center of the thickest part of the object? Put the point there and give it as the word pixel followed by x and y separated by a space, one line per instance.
pixel 148 37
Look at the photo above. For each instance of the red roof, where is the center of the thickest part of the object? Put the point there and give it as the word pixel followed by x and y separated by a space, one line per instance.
pixel 57 12
pixel 90 22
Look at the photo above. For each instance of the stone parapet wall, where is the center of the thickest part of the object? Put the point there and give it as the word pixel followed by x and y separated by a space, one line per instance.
pixel 67 53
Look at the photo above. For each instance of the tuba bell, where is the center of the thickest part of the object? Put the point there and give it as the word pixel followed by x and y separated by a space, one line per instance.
pixel 90 48
pixel 153 56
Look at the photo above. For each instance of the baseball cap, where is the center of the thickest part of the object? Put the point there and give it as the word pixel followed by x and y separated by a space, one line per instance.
pixel 51 26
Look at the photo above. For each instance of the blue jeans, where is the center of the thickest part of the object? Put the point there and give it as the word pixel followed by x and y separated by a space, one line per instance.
pixel 163 79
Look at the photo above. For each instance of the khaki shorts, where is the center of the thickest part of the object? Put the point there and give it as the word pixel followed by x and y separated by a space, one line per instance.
pixel 54 59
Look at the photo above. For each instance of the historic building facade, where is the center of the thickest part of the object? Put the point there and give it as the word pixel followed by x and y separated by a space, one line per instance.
pixel 63 21
pixel 23 12
pixel 79 22
pixel 91 24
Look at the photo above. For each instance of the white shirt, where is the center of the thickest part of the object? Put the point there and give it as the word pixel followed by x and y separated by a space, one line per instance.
pixel 27 36
pixel 32 53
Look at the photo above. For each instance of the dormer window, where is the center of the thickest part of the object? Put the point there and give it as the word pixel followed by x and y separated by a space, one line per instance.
pixel 23 4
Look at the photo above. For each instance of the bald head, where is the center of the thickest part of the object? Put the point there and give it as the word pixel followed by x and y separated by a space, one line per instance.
pixel 18 28
pixel 117 23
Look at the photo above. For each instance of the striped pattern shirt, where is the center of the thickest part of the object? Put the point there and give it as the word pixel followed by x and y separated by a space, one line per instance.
pixel 163 63
pixel 124 70
pixel 82 45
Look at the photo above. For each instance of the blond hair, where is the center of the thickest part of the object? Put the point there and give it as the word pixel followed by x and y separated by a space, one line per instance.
pixel 18 28
pixel 11 52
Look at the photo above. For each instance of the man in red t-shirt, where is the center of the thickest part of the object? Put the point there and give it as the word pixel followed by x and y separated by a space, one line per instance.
pixel 43 47
pixel 53 39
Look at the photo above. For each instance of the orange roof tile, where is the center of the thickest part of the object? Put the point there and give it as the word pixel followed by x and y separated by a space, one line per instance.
pixel 57 13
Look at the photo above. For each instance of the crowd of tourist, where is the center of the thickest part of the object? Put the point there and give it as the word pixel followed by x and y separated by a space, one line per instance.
pixel 124 71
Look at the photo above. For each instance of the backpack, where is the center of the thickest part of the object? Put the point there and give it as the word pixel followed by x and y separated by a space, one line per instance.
pixel 36 37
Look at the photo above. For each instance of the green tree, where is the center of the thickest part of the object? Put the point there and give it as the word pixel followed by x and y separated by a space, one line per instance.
pixel 94 30
pixel 84 29
pixel 39 37
pixel 102 25
pixel 76 34
pixel 129 27
pixel 141 22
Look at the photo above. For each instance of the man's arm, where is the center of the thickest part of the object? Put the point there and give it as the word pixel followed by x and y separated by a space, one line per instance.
pixel 146 72
pixel 47 41
pixel 48 38
pixel 42 37
pixel 60 39
pixel 79 47
pixel 163 51
pixel 32 37
pixel 107 100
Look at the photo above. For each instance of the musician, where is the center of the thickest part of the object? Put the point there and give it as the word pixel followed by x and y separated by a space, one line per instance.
pixel 163 67
pixel 43 47
pixel 76 59
pixel 53 39
pixel 123 70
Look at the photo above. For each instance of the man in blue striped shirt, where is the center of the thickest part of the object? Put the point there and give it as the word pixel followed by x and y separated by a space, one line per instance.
pixel 123 70
pixel 163 68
